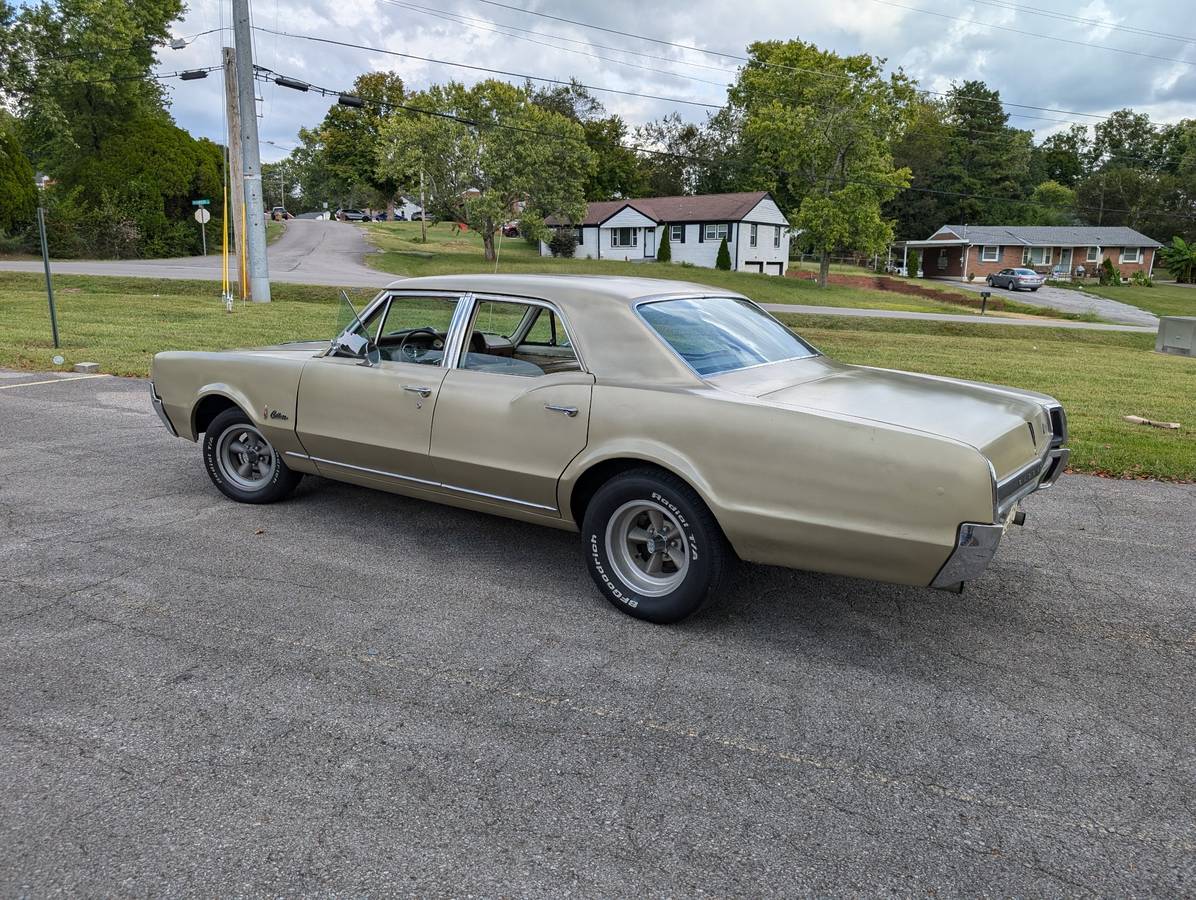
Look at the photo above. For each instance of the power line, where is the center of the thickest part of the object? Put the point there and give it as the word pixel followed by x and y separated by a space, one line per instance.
pixel 1096 23
pixel 524 75
pixel 803 70
pixel 1049 37
pixel 693 158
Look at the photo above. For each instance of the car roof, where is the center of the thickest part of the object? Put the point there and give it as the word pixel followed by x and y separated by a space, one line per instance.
pixel 564 290
pixel 599 310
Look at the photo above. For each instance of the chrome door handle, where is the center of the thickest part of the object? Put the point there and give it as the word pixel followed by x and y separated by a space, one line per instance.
pixel 569 411
pixel 418 389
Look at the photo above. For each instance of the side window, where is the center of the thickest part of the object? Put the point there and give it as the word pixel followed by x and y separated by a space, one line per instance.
pixel 414 329
pixel 511 338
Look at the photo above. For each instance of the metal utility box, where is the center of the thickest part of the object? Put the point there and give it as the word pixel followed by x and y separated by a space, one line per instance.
pixel 1177 334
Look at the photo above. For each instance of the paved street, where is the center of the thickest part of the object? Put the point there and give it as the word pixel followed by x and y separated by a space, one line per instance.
pixel 1066 300
pixel 309 252
pixel 356 693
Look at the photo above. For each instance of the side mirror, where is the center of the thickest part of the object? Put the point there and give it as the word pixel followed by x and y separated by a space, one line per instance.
pixel 371 357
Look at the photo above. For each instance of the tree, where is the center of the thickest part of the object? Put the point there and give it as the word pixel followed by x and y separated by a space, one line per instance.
pixel 514 152
pixel 1052 204
pixel 664 252
pixel 349 136
pixel 822 144
pixel 18 196
pixel 1125 140
pixel 1064 157
pixel 723 260
pixel 921 147
pixel 1180 260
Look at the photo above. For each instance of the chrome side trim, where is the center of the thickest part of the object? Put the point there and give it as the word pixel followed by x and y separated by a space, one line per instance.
pixel 161 410
pixel 975 546
pixel 455 339
pixel 423 481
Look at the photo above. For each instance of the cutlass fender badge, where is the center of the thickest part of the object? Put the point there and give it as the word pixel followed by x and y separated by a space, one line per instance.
pixel 274 414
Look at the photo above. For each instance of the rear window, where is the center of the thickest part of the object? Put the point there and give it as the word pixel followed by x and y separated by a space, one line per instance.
pixel 721 334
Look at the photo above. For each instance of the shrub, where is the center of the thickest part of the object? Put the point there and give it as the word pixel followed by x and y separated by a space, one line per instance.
pixel 532 228
pixel 1141 279
pixel 1109 274
pixel 723 260
pixel 563 243
pixel 913 262
pixel 664 253
pixel 971 276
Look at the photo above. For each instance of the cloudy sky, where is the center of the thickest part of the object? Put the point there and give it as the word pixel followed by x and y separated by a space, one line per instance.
pixel 1056 55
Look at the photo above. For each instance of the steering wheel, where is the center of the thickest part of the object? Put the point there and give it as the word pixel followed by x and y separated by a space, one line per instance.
pixel 412 355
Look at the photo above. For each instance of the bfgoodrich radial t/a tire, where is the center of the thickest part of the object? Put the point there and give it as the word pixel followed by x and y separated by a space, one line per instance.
pixel 242 463
pixel 653 548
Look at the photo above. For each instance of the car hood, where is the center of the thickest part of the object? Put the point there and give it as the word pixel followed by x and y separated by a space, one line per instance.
pixel 994 420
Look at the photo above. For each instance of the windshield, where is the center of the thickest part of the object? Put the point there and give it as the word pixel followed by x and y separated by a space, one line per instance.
pixel 721 334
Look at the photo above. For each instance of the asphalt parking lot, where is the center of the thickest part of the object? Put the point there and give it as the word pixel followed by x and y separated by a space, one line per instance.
pixel 356 693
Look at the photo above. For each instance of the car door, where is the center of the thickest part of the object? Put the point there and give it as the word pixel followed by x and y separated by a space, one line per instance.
pixel 515 410
pixel 375 420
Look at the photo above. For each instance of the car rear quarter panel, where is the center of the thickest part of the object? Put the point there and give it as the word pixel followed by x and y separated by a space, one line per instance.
pixel 799 488
pixel 258 382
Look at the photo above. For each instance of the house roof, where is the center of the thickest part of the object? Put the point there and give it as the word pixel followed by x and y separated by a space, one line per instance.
pixel 1052 235
pixel 698 208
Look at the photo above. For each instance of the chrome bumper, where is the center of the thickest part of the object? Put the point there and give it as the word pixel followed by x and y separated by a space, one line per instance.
pixel 160 410
pixel 975 546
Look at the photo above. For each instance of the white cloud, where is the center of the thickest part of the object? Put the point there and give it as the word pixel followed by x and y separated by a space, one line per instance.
pixel 1033 70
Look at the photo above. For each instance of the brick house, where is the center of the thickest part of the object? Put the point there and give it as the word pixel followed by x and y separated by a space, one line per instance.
pixel 956 250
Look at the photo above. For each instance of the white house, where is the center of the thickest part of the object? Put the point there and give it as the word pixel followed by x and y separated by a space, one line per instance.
pixel 757 232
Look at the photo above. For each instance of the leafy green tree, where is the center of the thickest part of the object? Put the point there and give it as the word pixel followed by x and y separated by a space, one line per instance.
pixel 723 260
pixel 18 196
pixel 1053 204
pixel 664 252
pixel 349 137
pixel 921 146
pixel 1064 157
pixel 516 153
pixel 822 144
pixel 1125 140
pixel 1179 257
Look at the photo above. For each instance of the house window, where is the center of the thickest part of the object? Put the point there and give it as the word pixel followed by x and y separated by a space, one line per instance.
pixel 581 233
pixel 776 235
pixel 752 236
pixel 942 263
pixel 990 254
pixel 1093 254
pixel 1036 256
pixel 1131 254
pixel 715 232
pixel 624 237
pixel 677 234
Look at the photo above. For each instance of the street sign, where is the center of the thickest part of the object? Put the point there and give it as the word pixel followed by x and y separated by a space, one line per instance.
pixel 202 216
pixel 200 202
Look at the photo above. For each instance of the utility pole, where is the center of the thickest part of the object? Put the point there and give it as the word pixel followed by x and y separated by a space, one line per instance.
pixel 236 182
pixel 423 210
pixel 255 208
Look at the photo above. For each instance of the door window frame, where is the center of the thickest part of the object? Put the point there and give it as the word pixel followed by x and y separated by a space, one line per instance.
pixel 473 300
pixel 386 297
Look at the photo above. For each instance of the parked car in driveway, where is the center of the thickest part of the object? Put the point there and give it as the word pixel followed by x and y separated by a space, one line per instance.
pixel 1016 279
pixel 678 427
pixel 352 215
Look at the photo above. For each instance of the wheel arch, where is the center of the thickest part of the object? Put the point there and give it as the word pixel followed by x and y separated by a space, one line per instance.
pixel 211 404
pixel 585 483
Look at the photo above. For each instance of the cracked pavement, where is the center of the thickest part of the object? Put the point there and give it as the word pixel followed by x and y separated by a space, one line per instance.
pixel 357 693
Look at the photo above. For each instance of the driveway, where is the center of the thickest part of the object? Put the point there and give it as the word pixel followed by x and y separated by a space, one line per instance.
pixel 353 693
pixel 308 252
pixel 1066 300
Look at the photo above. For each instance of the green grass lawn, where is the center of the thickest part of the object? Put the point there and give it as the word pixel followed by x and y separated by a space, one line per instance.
pixel 274 230
pixel 450 252
pixel 1161 299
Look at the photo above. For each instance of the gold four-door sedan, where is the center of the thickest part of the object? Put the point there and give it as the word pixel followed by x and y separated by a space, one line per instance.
pixel 678 427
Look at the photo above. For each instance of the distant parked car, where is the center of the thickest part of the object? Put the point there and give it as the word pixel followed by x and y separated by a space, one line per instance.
pixel 1016 279
pixel 511 229
pixel 279 213
pixel 422 217
pixel 380 217
pixel 352 215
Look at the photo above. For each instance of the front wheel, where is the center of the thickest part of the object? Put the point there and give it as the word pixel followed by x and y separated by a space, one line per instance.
pixel 653 547
pixel 242 463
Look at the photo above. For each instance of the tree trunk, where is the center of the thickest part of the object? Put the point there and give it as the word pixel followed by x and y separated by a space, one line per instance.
pixel 824 268
pixel 488 243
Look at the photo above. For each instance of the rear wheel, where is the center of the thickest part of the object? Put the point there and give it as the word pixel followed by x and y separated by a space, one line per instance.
pixel 242 463
pixel 654 549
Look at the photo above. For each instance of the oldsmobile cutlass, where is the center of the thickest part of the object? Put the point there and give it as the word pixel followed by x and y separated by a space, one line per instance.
pixel 677 427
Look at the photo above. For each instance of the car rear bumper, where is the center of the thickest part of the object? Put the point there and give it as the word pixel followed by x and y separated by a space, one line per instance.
pixel 161 410
pixel 975 546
